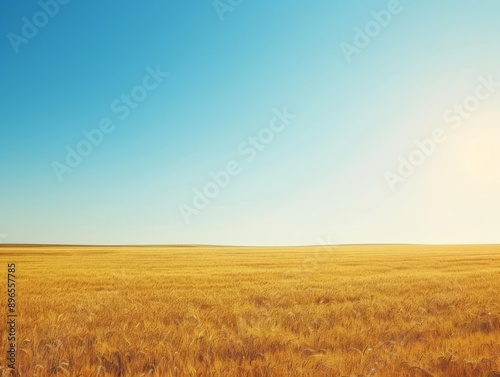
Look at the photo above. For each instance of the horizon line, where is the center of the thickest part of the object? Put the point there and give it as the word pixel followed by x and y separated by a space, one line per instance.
pixel 243 246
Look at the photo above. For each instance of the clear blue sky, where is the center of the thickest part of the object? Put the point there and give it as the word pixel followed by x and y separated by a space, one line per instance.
pixel 322 178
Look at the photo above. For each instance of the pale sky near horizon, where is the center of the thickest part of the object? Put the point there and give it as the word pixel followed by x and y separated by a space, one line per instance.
pixel 308 108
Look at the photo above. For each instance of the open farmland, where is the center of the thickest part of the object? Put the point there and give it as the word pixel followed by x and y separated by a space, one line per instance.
pixel 223 311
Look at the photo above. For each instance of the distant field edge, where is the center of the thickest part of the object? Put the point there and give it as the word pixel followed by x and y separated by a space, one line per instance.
pixel 7 245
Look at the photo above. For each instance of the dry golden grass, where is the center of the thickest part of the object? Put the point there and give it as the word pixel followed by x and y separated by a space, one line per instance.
pixel 201 311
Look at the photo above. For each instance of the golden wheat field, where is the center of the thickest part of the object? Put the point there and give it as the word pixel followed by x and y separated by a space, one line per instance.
pixel 224 311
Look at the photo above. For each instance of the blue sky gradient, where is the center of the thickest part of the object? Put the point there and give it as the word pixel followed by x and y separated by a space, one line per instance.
pixel 323 177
